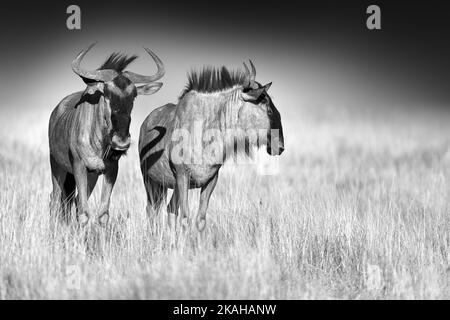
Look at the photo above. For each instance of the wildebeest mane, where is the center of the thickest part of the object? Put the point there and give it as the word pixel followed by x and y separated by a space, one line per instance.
pixel 117 61
pixel 211 79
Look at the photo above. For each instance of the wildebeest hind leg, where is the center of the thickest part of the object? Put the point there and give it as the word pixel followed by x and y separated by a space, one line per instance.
pixel 156 196
pixel 68 196
pixel 61 197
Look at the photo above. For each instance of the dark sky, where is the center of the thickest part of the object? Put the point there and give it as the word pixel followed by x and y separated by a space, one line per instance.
pixel 318 52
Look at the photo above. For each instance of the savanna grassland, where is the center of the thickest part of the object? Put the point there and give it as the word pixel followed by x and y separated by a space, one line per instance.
pixel 359 210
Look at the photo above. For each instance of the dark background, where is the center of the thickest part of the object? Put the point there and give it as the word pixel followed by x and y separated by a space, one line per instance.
pixel 316 53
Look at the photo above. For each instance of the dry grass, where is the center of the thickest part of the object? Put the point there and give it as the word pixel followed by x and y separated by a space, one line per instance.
pixel 359 210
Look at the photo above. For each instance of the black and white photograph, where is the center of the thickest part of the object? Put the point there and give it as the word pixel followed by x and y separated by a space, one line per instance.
pixel 241 152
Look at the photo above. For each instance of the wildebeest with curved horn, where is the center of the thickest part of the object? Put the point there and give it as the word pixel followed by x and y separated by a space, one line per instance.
pixel 227 108
pixel 89 131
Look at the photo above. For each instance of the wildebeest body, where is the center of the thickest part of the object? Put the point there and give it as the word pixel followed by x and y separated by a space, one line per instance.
pixel 89 131
pixel 156 144
pixel 224 106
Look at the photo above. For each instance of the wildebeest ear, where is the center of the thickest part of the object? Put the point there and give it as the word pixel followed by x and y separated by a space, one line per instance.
pixel 93 92
pixel 149 88
pixel 267 86
pixel 252 94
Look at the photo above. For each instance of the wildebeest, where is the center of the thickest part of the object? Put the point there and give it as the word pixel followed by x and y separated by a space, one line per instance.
pixel 89 131
pixel 228 107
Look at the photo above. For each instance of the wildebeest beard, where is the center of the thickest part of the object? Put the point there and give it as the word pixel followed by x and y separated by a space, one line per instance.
pixel 115 154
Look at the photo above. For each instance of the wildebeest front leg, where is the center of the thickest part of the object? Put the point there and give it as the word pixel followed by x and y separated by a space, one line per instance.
pixel 182 192
pixel 172 208
pixel 81 181
pixel 110 177
pixel 205 194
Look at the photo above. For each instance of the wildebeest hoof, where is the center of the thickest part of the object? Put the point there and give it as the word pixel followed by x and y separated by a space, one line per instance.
pixel 185 222
pixel 103 219
pixel 83 219
pixel 200 224
pixel 171 220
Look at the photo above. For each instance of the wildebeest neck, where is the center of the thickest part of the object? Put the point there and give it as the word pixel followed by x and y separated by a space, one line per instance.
pixel 218 110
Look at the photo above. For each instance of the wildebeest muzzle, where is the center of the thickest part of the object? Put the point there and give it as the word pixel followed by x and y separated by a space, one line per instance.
pixel 120 144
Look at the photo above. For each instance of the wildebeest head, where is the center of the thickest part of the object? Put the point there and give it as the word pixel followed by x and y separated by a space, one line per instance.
pixel 261 111
pixel 118 88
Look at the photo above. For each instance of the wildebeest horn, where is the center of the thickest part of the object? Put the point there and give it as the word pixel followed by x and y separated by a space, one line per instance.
pixel 137 78
pixel 253 70
pixel 251 75
pixel 96 75
pixel 247 70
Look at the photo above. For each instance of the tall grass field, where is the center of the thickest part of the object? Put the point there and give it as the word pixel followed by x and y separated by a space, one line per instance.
pixel 359 209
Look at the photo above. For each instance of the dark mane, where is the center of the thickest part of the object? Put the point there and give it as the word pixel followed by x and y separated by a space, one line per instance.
pixel 211 79
pixel 117 61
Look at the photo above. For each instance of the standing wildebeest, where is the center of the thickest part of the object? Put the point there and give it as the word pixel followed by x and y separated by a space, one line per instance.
pixel 89 131
pixel 227 107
